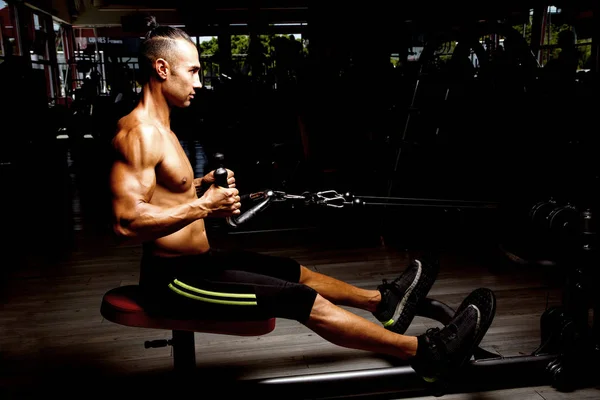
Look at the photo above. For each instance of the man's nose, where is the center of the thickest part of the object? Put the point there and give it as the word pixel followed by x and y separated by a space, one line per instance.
pixel 197 83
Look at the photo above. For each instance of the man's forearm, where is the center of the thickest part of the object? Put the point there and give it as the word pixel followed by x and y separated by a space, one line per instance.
pixel 152 222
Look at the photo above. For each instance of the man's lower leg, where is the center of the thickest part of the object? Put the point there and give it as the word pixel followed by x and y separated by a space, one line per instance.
pixel 346 329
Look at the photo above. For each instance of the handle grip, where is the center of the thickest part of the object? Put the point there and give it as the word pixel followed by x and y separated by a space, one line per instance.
pixel 221 177
pixel 244 217
pixel 220 173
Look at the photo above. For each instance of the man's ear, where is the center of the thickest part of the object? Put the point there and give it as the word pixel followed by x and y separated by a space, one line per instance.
pixel 162 68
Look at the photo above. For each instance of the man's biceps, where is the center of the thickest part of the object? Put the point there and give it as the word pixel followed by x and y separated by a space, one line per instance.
pixel 126 208
pixel 134 198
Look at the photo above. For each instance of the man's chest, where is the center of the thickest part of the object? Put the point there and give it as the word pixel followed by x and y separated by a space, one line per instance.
pixel 175 172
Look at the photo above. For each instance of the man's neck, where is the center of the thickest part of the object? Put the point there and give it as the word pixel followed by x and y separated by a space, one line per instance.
pixel 154 102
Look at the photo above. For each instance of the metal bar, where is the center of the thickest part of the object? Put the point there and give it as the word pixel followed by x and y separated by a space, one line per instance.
pixel 428 199
pixel 595 56
pixel 300 228
pixel 436 310
pixel 448 205
pixel 508 372
pixel 596 318
pixel 538 30
pixel 2 43
pixel 184 351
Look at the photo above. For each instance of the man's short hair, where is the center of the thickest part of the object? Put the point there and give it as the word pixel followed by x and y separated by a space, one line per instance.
pixel 159 42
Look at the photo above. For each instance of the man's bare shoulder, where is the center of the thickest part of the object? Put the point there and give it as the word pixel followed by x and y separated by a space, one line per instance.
pixel 137 136
pixel 137 126
pixel 132 128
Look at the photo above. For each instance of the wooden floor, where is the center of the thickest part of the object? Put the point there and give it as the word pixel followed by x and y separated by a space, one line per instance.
pixel 54 342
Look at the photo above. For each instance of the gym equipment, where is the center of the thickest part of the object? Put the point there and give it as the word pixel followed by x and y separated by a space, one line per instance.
pixel 123 305
pixel 566 330
pixel 566 350
pixel 220 173
pixel 568 343
pixel 333 199
pixel 465 73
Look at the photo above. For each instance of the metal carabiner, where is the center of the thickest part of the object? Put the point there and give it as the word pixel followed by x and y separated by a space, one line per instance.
pixel 330 201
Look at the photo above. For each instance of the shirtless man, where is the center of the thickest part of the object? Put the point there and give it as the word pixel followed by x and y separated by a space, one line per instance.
pixel 154 201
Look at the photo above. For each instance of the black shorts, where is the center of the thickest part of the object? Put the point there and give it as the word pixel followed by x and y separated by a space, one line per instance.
pixel 226 285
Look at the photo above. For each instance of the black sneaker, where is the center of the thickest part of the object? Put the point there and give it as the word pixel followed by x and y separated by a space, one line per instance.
pixel 442 351
pixel 399 299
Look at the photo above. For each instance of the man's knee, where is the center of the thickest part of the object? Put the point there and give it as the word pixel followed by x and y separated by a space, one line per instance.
pixel 294 301
pixel 321 309
pixel 307 298
pixel 306 274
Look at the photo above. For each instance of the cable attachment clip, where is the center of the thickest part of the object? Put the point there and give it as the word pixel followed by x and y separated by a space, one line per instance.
pixel 330 198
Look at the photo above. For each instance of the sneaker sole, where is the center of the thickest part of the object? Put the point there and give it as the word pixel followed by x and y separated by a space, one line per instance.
pixel 406 310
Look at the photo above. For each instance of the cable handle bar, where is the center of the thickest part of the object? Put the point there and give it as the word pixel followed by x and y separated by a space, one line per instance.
pixel 331 198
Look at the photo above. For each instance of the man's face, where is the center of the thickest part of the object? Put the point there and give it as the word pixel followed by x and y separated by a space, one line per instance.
pixel 184 75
